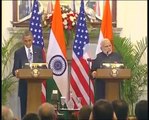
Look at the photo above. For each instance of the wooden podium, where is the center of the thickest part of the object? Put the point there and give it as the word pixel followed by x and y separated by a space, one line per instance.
pixel 34 79
pixel 112 79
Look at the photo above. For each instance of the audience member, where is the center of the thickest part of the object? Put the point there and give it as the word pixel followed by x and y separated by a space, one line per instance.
pixel 141 110
pixel 31 116
pixel 47 112
pixel 7 113
pixel 120 108
pixel 85 112
pixel 102 110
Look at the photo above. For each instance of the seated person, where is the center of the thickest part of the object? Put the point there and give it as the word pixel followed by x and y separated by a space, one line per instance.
pixel 102 110
pixel 141 110
pixel 121 109
pixel 85 112
pixel 31 116
pixel 46 111
pixel 7 113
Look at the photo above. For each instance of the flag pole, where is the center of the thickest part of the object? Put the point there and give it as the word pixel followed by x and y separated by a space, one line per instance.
pixel 89 64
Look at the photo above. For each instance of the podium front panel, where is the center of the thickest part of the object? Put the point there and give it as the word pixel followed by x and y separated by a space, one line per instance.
pixel 112 78
pixel 34 78
pixel 34 73
pixel 113 73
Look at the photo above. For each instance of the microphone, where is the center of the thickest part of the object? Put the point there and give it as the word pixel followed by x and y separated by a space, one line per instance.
pixel 115 62
pixel 89 59
pixel 107 53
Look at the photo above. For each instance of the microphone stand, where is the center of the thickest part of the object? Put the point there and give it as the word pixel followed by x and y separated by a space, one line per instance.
pixel 89 63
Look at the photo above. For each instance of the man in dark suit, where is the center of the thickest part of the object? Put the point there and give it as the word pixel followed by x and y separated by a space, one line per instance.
pixel 106 56
pixel 26 54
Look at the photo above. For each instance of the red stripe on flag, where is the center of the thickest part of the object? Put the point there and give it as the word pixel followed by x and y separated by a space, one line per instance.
pixel 77 91
pixel 84 81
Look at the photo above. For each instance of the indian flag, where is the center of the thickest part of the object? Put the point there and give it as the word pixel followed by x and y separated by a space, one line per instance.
pixel 106 26
pixel 56 52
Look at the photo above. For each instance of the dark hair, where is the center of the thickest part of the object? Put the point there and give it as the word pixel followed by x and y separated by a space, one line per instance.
pixel 27 33
pixel 121 109
pixel 47 116
pixel 31 116
pixel 102 110
pixel 141 110
pixel 84 112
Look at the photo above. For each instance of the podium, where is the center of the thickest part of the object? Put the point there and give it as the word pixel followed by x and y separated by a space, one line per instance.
pixel 34 78
pixel 112 78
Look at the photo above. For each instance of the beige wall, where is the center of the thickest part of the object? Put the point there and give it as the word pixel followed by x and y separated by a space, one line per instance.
pixel 132 17
pixel 6 18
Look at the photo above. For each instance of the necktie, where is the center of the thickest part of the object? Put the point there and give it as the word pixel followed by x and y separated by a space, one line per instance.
pixel 30 56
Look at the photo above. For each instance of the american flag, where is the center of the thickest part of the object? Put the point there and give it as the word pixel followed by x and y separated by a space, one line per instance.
pixel 36 29
pixel 79 78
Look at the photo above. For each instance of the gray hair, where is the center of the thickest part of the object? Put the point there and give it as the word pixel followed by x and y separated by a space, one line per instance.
pixel 7 113
pixel 47 110
pixel 104 40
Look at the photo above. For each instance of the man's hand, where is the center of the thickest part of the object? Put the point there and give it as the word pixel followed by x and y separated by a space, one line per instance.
pixel 16 73
pixel 94 74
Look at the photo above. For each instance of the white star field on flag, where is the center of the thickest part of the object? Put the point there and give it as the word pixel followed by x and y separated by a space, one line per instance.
pixel 35 26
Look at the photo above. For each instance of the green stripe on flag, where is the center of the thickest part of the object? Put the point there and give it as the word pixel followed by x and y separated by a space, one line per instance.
pixel 51 85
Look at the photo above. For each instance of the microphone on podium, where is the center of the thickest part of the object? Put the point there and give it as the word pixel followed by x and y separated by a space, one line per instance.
pixel 107 53
pixel 89 59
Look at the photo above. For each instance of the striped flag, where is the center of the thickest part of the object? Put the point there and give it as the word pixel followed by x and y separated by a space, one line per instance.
pixel 56 53
pixel 106 26
pixel 36 29
pixel 50 7
pixel 97 8
pixel 79 79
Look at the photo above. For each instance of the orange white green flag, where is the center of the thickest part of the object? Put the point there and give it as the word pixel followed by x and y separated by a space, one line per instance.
pixel 106 26
pixel 56 52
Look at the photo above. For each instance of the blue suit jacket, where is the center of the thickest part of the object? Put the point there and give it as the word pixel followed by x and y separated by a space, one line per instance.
pixel 99 84
pixel 20 57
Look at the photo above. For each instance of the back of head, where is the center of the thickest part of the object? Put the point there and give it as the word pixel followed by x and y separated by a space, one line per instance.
pixel 7 113
pixel 31 116
pixel 121 109
pixel 102 110
pixel 84 112
pixel 47 112
pixel 141 110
